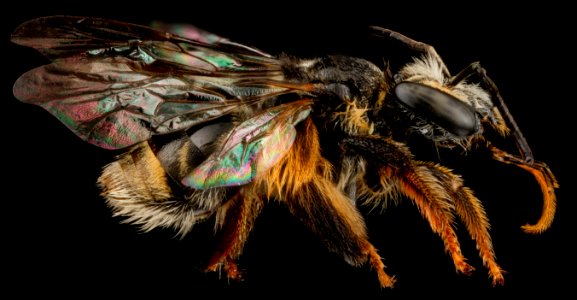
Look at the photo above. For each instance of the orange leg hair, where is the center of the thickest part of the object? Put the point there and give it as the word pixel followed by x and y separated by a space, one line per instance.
pixel 435 190
pixel 235 219
pixel 471 212
pixel 303 181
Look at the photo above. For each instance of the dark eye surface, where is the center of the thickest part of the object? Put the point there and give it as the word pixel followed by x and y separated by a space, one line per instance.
pixel 438 107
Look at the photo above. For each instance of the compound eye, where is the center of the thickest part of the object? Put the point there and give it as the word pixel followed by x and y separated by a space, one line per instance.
pixel 438 107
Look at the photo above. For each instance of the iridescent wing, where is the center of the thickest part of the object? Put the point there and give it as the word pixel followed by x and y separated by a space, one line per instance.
pixel 251 147
pixel 115 84
pixel 64 36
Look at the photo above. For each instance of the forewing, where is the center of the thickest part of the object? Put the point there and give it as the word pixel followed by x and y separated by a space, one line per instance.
pixel 115 84
pixel 63 36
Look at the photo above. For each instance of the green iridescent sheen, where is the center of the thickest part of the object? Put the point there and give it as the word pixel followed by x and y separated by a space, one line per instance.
pixel 233 169
pixel 115 84
pixel 106 105
pixel 144 57
pixel 62 116
pixel 222 61
pixel 251 148
pixel 193 57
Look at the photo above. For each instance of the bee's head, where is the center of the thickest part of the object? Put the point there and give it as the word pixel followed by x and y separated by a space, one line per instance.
pixel 445 109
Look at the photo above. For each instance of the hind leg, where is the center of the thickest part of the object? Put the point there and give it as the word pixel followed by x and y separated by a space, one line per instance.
pixel 235 220
pixel 328 213
pixel 303 182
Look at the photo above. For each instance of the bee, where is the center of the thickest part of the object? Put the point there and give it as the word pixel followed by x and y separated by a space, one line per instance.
pixel 212 129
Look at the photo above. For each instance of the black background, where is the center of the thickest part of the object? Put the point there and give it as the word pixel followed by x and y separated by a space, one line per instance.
pixel 59 237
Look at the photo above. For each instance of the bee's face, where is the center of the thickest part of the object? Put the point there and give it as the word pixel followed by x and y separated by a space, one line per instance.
pixel 445 112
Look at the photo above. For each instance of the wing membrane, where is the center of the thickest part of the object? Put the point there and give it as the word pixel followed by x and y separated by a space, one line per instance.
pixel 61 36
pixel 115 84
pixel 251 148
